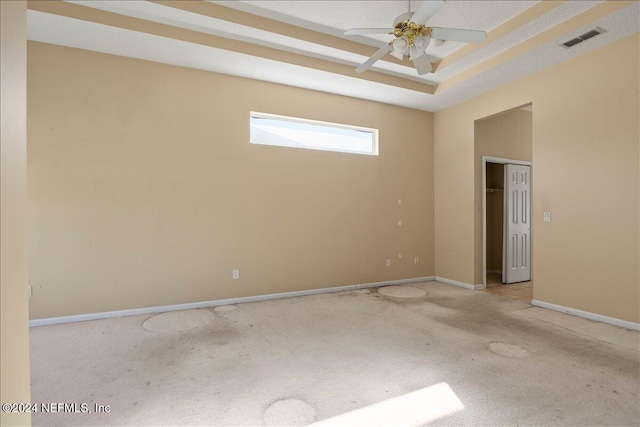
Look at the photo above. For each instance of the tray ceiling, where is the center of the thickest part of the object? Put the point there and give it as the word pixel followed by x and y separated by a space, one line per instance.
pixel 302 43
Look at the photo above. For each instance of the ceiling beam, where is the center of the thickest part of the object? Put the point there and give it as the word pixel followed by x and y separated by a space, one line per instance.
pixel 97 16
pixel 572 24
pixel 502 30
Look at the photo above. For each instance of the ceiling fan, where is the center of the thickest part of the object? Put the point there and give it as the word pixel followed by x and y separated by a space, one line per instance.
pixel 413 37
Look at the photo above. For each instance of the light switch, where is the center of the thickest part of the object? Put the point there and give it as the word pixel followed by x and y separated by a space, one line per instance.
pixel 547 217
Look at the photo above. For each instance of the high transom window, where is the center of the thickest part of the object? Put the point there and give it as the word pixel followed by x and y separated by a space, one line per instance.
pixel 281 131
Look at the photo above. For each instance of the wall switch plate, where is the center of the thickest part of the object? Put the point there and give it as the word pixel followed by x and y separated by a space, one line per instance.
pixel 29 291
pixel 236 274
pixel 416 260
pixel 546 217
pixel 389 263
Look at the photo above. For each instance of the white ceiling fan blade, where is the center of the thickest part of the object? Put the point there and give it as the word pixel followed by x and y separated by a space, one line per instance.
pixel 459 35
pixel 432 58
pixel 423 65
pixel 369 62
pixel 414 52
pixel 426 10
pixel 354 31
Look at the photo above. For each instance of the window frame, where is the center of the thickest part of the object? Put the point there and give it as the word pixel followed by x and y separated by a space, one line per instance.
pixel 372 131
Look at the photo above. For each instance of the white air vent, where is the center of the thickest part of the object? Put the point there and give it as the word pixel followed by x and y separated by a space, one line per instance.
pixel 586 36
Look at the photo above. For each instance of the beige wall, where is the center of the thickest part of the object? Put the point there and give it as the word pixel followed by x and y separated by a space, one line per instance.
pixel 14 311
pixel 145 191
pixel 586 173
pixel 507 135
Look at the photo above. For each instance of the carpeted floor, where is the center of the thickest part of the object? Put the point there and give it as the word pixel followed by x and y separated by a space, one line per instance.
pixel 446 356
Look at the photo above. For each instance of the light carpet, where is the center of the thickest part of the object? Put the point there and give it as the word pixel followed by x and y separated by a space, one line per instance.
pixel 448 356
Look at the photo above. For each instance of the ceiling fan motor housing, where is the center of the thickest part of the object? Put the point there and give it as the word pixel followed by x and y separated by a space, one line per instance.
pixel 405 17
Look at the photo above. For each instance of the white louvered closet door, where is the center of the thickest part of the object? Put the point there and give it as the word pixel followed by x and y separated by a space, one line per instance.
pixel 516 258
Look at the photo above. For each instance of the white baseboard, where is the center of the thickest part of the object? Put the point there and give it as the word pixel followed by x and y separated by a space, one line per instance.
pixel 214 303
pixel 588 315
pixel 460 284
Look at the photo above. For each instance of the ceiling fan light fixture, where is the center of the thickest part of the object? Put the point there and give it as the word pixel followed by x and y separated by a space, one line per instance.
pixel 415 52
pixel 400 47
pixel 420 44
pixel 397 54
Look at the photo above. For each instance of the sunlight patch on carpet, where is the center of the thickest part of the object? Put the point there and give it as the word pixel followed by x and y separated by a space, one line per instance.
pixel 412 409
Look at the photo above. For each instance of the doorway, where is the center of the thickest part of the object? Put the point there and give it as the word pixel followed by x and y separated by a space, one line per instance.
pixel 504 138
pixel 494 243
pixel 506 208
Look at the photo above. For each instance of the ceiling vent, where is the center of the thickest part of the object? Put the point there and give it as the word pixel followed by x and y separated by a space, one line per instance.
pixel 586 36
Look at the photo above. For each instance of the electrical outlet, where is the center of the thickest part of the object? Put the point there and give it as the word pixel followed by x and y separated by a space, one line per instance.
pixel 389 263
pixel 416 260
pixel 29 291
pixel 546 217
pixel 236 274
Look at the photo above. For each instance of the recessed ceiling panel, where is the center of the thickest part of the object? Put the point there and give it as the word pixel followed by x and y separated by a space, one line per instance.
pixel 335 17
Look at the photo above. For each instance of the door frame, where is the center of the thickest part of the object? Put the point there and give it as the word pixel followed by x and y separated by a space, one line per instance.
pixel 491 159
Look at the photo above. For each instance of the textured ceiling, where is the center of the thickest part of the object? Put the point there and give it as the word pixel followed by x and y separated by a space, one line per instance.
pixel 561 14
pixel 302 44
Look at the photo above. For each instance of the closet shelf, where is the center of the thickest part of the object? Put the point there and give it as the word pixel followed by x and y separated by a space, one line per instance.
pixel 493 190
